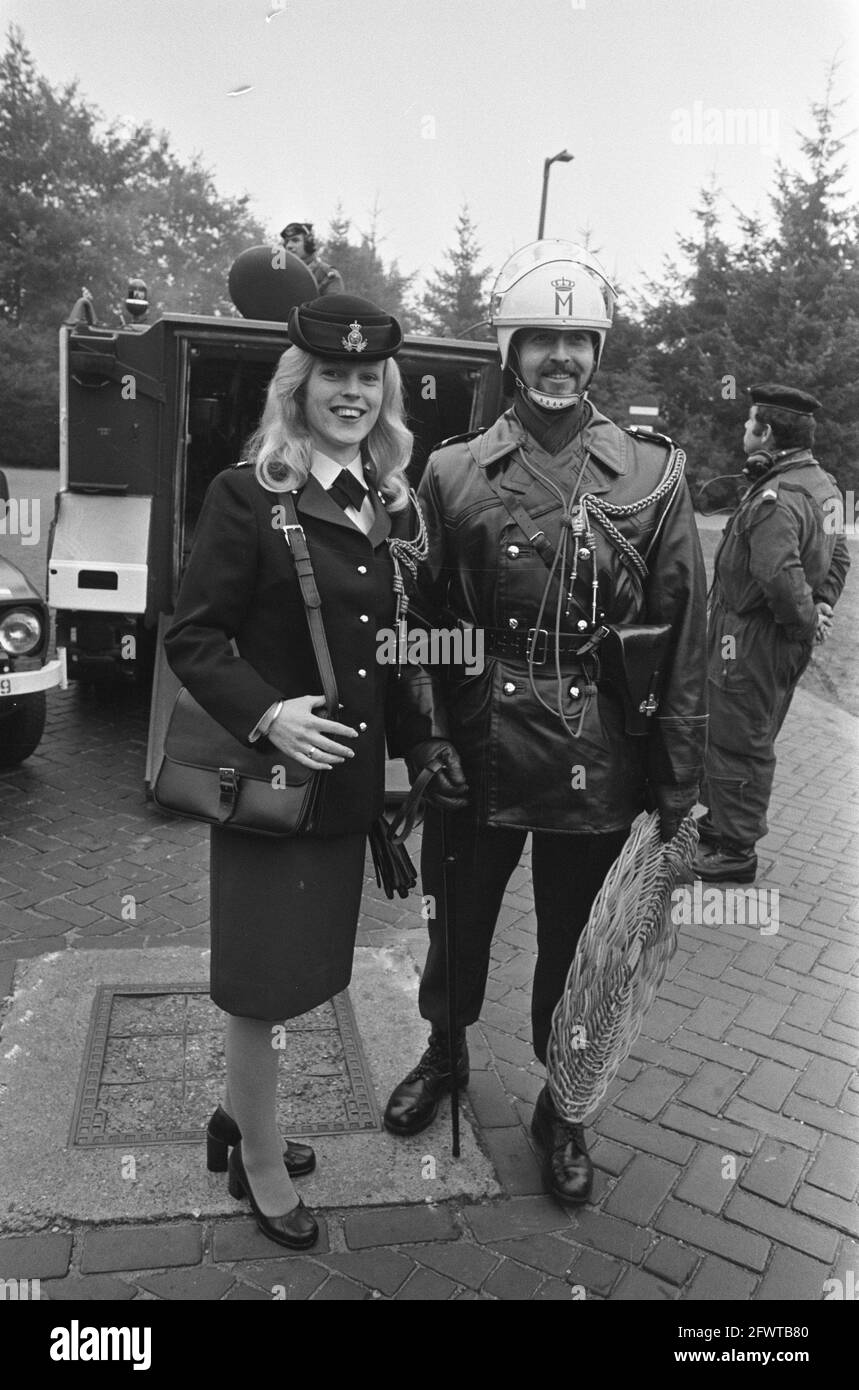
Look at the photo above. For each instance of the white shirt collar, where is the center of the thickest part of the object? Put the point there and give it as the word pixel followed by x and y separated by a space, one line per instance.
pixel 327 470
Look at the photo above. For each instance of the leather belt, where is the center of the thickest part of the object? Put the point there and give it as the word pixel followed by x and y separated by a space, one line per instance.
pixel 538 644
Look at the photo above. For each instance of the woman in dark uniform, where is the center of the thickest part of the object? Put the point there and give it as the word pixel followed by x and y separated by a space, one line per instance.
pixel 284 911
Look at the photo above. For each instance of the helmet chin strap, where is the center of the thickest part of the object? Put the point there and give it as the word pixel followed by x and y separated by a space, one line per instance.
pixel 549 402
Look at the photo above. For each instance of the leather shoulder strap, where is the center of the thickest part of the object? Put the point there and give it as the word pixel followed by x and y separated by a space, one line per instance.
pixel 527 525
pixel 294 535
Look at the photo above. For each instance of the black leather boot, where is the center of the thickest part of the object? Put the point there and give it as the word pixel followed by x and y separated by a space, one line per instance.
pixel 414 1103
pixel 567 1170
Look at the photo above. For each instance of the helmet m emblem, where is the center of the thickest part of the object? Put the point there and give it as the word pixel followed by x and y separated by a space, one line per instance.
pixel 563 296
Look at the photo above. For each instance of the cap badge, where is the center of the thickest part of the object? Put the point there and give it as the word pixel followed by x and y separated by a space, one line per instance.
pixel 563 295
pixel 354 342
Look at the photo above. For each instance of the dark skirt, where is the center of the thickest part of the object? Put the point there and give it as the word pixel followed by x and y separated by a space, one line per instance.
pixel 284 913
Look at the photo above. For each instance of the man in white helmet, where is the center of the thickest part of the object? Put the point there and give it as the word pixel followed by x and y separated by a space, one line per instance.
pixel 558 534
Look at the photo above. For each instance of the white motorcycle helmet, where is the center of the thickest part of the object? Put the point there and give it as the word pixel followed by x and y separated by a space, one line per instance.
pixel 551 284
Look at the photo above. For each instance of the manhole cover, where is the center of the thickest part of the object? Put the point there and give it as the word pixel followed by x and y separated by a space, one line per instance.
pixel 153 1069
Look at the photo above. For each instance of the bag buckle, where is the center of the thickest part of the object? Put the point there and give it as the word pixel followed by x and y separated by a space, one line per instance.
pixel 296 526
pixel 228 787
pixel 533 633
pixel 649 706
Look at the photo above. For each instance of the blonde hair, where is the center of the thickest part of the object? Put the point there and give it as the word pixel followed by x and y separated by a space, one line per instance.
pixel 281 447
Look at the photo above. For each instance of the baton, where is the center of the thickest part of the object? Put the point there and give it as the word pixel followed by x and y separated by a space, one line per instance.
pixel 448 874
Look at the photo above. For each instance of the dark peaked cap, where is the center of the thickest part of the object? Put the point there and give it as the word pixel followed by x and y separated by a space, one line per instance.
pixel 784 398
pixel 342 325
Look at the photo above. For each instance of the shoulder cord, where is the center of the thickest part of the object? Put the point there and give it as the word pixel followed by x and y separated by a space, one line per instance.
pixel 410 554
pixel 579 526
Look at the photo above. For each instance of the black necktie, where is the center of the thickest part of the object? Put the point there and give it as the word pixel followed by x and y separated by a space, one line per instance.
pixel 347 491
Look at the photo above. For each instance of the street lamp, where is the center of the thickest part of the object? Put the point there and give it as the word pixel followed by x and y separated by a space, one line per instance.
pixel 564 158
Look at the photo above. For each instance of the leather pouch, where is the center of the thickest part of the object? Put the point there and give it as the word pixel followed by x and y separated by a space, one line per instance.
pixel 633 660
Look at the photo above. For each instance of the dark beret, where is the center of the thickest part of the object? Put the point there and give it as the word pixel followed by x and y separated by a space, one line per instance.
pixel 342 325
pixel 297 229
pixel 784 398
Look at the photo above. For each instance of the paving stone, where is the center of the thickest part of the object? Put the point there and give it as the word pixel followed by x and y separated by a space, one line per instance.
pixel 792 1278
pixel 610 1234
pixel 543 1252
pixel 380 1269
pixel 836 1167
pixel 34 1257
pixel 718 1280
pixel 525 1084
pixel 425 1285
pixel 769 1085
pixel 663 1019
pixel 519 1216
pixel 639 1286
pixel 776 1126
pixel 460 1261
pixel 714 1050
pixel 783 1226
pixel 823 1206
pixel 610 1158
pixel 774 1171
pixel 824 1079
pixel 704 1184
pixel 340 1290
pixel 639 1135
pixel 671 1058
pixel 246 1293
pixel 97 1287
pixel 808 1012
pixel 188 1284
pixel 489 1100
pixel 398 1226
pixel 811 1112
pixel 668 1260
pixel 647 1095
pixel 596 1272
pixel 711 1018
pixel 831 1043
pixel 515 1163
pixel 710 1088
pixel 513 1282
pixel 761 1015
pixel 286 1280
pixel 642 1189
pixel 756 1044
pixel 714 1234
pixel 712 1129
pixel 556 1291
pixel 241 1239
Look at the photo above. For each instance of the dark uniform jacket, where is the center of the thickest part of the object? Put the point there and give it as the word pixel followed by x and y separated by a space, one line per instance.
pixel 241 584
pixel 328 280
pixel 776 560
pixel 519 759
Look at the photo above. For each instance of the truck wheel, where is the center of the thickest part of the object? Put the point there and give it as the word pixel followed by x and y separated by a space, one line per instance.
pixel 22 729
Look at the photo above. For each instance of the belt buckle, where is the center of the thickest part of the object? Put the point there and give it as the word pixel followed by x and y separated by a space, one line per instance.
pixel 533 632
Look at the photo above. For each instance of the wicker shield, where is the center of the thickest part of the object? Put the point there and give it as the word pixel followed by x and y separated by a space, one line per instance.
pixel 619 964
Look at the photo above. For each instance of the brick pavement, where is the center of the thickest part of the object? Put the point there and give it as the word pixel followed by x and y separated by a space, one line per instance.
pixel 727 1154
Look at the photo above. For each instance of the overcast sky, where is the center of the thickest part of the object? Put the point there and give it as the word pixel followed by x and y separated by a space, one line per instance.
pixel 418 105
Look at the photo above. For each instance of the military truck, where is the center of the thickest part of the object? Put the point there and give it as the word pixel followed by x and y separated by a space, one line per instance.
pixel 149 414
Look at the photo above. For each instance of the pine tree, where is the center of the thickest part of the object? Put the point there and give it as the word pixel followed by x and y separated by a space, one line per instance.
pixel 454 303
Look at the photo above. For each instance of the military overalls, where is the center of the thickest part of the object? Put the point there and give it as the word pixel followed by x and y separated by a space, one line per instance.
pixel 776 560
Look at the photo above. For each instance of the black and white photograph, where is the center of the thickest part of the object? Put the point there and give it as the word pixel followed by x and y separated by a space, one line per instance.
pixel 429 666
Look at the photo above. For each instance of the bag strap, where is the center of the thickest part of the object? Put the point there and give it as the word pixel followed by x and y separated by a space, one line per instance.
pixel 293 533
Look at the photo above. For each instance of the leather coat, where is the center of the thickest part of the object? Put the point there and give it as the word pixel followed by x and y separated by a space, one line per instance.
pixel 523 766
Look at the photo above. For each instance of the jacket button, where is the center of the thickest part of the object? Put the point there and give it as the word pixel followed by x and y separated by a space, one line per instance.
pixel 574 691
pixel 512 551
pixel 361 672
pixel 364 618
pixel 581 624
pixel 362 569
pixel 509 688
pixel 585 553
pixel 513 622
pixel 362 727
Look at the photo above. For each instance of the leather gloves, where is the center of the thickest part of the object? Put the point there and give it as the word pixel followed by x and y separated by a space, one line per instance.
pixel 673 804
pixel 448 790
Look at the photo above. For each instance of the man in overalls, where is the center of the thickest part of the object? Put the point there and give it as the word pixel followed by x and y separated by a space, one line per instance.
pixel 779 571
